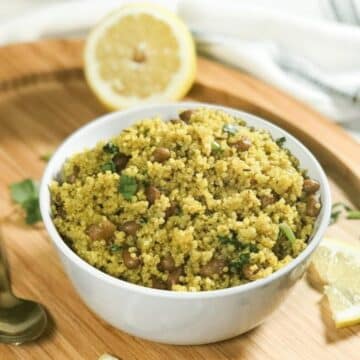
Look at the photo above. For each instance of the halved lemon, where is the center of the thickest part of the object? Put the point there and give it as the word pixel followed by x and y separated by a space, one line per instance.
pixel 336 264
pixel 140 53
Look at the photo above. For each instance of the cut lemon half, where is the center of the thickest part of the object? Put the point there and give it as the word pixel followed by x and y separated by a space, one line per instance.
pixel 139 53
pixel 336 265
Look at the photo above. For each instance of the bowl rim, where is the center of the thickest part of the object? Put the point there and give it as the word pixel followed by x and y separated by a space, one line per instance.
pixel 156 109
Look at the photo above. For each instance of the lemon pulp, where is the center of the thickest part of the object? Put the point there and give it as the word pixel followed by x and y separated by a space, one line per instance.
pixel 139 53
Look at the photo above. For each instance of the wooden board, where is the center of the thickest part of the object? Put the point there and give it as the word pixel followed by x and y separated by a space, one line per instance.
pixel 43 98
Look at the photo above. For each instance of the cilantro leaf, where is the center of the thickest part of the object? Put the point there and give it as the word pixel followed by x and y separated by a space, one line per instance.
pixel 229 239
pixel 23 190
pixel 338 208
pixel 353 215
pixel 231 128
pixel 114 248
pixel 280 141
pixel 46 157
pixel 111 148
pixel 334 217
pixel 31 207
pixel 253 248
pixel 341 205
pixel 127 186
pixel 237 264
pixel 109 166
pixel 26 194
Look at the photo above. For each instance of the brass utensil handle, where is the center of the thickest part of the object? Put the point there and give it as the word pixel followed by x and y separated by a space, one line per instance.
pixel 4 269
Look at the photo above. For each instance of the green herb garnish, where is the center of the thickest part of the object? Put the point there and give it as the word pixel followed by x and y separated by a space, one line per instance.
pixel 253 248
pixel 338 208
pixel 109 166
pixel 215 147
pixel 286 230
pixel 46 157
pixel 238 264
pixel 111 148
pixel 26 194
pixel 353 215
pixel 340 205
pixel 229 239
pixel 231 128
pixel 280 141
pixel 127 186
pixel 114 248
pixel 334 217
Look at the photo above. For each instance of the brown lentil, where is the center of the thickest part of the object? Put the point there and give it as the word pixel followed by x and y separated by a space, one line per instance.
pixel 130 227
pixel 102 231
pixel 152 194
pixel 161 154
pixel 267 200
pixel 186 115
pixel 171 210
pixel 174 276
pixel 243 145
pixel 214 266
pixel 120 160
pixel 129 261
pixel 167 263
pixel 311 186
pixel 312 206
pixel 158 283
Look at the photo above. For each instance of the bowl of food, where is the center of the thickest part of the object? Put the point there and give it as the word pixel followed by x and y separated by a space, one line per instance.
pixel 184 223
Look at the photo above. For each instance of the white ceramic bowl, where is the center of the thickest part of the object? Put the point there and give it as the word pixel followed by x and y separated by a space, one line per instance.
pixel 173 317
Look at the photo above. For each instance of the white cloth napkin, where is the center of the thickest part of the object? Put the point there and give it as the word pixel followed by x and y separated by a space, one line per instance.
pixel 313 58
pixel 308 48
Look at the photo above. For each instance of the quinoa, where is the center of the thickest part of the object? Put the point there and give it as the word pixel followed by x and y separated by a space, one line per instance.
pixel 185 205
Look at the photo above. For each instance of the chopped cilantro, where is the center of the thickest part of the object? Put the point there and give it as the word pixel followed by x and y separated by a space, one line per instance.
pixel 286 230
pixel 115 248
pixel 109 166
pixel 26 194
pixel 341 205
pixel 237 264
pixel 111 148
pixel 127 186
pixel 353 215
pixel 241 122
pixel 280 141
pixel 46 157
pixel 229 239
pixel 334 217
pixel 231 128
pixel 338 208
pixel 253 248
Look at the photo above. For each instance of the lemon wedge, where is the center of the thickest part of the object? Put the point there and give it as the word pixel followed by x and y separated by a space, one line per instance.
pixel 139 53
pixel 336 266
pixel 107 357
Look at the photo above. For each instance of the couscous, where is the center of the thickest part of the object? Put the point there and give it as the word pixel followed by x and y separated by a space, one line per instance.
pixel 201 202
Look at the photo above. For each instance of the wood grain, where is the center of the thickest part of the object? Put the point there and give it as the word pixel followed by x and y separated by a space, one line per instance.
pixel 40 104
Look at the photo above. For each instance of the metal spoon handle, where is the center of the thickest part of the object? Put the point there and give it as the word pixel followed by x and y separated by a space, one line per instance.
pixel 20 320
pixel 4 270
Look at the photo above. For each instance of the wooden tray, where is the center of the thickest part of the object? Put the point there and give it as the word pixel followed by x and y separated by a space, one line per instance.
pixel 43 98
